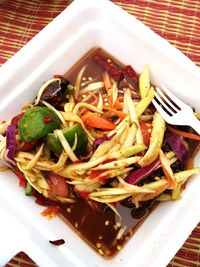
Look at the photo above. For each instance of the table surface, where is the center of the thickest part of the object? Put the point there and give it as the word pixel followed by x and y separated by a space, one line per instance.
pixel 176 21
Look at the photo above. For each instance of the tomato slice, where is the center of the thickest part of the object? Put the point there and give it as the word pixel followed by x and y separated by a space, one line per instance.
pixel 58 185
pixel 28 146
pixel 146 128
pixel 16 118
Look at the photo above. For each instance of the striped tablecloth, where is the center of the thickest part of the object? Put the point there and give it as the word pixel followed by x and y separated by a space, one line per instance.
pixel 176 20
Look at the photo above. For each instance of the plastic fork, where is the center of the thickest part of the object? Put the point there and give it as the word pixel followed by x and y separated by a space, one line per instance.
pixel 173 110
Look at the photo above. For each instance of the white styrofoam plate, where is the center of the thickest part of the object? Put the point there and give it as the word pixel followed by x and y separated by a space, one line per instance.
pixel 82 26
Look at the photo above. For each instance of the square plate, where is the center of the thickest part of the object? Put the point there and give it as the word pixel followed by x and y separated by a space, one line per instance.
pixel 82 26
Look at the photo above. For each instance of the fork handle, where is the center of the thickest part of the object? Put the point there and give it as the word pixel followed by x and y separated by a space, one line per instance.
pixel 195 124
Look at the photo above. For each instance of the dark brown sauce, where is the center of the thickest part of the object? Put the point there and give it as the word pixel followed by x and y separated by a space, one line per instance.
pixel 97 223
pixel 94 70
pixel 100 226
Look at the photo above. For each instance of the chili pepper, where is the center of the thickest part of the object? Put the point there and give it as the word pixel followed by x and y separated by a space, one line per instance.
pixel 129 71
pixel 54 144
pixel 110 68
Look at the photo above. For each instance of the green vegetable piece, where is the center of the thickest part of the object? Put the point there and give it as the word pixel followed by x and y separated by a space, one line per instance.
pixel 54 143
pixel 37 122
pixel 28 189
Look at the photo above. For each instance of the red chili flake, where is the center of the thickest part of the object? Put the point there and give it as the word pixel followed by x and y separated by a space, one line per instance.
pixel 94 174
pixel 57 242
pixel 78 161
pixel 128 70
pixel 104 177
pixel 47 119
pixel 108 160
pixel 110 68
pixel 3 122
pixel 83 194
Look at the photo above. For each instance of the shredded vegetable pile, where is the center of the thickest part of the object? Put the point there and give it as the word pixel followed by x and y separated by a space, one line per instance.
pixel 99 139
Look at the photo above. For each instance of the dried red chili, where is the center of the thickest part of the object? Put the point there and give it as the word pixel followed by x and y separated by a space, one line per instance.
pixel 47 119
pixel 110 68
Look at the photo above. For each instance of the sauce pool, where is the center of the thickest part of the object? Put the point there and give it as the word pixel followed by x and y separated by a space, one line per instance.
pixel 97 223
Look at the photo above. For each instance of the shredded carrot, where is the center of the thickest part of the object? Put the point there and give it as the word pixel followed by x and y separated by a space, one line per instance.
pixel 108 85
pixel 120 114
pixel 120 98
pixel 86 114
pixel 117 104
pixel 167 169
pixel 85 111
pixel 184 134
pixel 106 115
pixel 156 193
pixel 94 120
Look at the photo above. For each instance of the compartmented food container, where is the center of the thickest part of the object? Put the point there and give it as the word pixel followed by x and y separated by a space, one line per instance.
pixel 83 26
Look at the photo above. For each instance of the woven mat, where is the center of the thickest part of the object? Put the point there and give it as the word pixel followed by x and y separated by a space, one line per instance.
pixel 176 20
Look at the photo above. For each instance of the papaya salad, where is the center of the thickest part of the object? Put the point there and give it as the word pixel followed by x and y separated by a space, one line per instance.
pixel 93 136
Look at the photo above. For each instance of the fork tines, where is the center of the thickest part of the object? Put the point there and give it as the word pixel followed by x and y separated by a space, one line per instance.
pixel 163 97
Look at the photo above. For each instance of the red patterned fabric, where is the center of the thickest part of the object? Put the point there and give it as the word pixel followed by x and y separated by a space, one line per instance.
pixel 177 21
